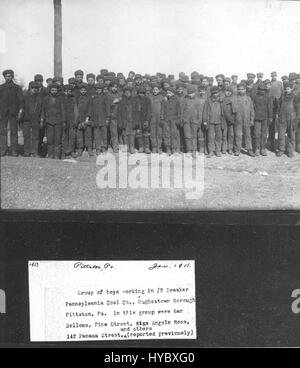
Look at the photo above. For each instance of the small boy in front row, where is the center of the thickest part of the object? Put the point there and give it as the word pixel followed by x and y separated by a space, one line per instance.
pixel 212 119
pixel 229 111
pixel 100 110
pixel 70 129
pixel 32 115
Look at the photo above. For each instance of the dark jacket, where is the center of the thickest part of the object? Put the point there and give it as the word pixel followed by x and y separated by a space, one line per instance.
pixel 91 90
pixel 244 110
pixel 229 109
pixel 53 110
pixel 263 106
pixel 144 108
pixel 171 109
pixel 287 108
pixel 156 106
pixel 193 110
pixel 100 110
pixel 71 109
pixel 113 100
pixel 84 108
pixel 127 113
pixel 32 107
pixel 11 99
pixel 213 112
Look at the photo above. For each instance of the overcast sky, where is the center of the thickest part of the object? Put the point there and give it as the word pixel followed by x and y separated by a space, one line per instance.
pixel 147 36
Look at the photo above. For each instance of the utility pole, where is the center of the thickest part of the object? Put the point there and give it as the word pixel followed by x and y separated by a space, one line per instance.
pixel 57 38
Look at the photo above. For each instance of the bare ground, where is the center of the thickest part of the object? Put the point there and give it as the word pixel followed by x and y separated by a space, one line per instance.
pixel 231 183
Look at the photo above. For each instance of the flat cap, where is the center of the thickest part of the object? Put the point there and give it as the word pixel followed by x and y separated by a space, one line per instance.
pixel 90 75
pixel 38 77
pixel 33 84
pixel 78 72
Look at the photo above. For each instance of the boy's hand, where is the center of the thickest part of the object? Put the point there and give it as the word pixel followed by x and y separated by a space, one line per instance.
pixel 20 114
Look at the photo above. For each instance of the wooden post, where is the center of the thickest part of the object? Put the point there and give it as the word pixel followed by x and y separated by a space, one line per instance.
pixel 57 38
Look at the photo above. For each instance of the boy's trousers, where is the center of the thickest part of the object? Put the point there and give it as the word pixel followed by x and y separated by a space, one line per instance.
pixel 13 133
pixel 127 136
pixel 288 128
pixel 31 131
pixel 171 135
pixel 261 134
pixel 156 133
pixel 84 137
pixel 224 144
pixel 100 137
pixel 214 138
pixel 242 129
pixel 113 128
pixel 194 134
pixel 69 140
pixel 230 136
pixel 53 133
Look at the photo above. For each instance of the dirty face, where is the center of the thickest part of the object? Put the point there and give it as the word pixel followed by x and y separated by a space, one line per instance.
pixel 155 91
pixel 54 91
pixel 219 81
pixel 83 91
pixel 79 78
pixel 241 90
pixel 91 81
pixel 8 77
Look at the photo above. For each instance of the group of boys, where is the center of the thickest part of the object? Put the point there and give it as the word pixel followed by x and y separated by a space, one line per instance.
pixel 151 114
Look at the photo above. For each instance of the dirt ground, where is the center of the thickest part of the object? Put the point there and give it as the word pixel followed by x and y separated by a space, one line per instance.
pixel 230 183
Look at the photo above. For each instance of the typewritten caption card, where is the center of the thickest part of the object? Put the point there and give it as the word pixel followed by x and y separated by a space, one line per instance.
pixel 112 300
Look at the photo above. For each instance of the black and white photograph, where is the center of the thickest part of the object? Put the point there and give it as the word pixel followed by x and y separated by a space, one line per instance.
pixel 178 123
pixel 150 105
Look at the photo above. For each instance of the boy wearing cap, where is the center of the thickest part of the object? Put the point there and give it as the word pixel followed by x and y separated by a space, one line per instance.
pixel 220 84
pixel 84 131
pixel 113 97
pixel 275 92
pixel 49 81
pixel 91 90
pixel 171 118
pixel 78 74
pixel 53 118
pixel 226 82
pixel 32 116
pixel 11 110
pixel 144 116
pixel 70 129
pixel 155 123
pixel 287 121
pixel 263 110
pixel 192 120
pixel 43 91
pixel 244 121
pixel 127 119
pixel 234 83
pixel 181 98
pixel 229 111
pixel 213 119
pixel 100 110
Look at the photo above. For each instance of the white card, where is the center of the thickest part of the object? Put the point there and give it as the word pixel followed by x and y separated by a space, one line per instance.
pixel 112 300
